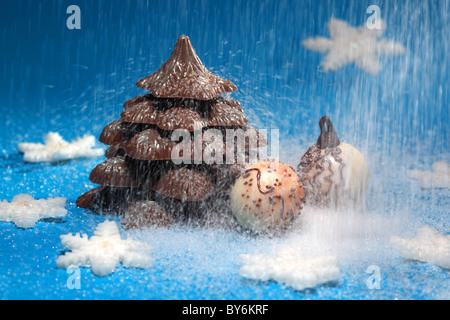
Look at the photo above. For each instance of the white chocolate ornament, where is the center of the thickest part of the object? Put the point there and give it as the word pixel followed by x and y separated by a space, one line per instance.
pixel 267 197
pixel 333 172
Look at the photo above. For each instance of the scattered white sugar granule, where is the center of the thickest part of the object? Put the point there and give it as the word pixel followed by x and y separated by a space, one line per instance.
pixel 438 178
pixel 104 251
pixel 429 246
pixel 24 211
pixel 290 268
pixel 353 45
pixel 57 149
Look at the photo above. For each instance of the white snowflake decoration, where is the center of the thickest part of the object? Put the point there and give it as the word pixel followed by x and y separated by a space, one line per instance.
pixel 438 178
pixel 104 251
pixel 429 246
pixel 347 45
pixel 24 211
pixel 290 268
pixel 57 149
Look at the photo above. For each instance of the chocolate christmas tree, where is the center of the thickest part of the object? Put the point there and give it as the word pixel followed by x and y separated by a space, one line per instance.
pixel 169 155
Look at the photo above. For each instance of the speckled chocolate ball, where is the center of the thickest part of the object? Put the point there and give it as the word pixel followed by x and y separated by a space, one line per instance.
pixel 267 197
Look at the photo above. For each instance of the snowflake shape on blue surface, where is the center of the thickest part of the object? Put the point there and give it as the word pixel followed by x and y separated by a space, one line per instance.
pixel 428 246
pixel 438 178
pixel 289 267
pixel 104 251
pixel 57 149
pixel 348 45
pixel 24 211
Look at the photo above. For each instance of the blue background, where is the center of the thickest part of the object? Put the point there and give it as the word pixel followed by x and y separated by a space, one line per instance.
pixel 75 82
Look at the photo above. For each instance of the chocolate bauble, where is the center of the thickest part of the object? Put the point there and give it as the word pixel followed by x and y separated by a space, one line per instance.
pixel 267 197
pixel 333 173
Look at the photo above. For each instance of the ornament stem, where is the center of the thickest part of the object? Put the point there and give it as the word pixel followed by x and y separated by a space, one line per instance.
pixel 328 137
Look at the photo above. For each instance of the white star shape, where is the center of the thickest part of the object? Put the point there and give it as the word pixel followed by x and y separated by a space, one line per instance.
pixel 289 267
pixel 429 246
pixel 57 149
pixel 24 211
pixel 104 251
pixel 438 178
pixel 347 45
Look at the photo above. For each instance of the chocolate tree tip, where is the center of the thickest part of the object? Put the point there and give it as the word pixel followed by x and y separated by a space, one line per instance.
pixel 184 76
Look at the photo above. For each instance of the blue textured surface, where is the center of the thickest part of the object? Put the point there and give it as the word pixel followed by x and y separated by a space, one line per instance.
pixel 75 82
